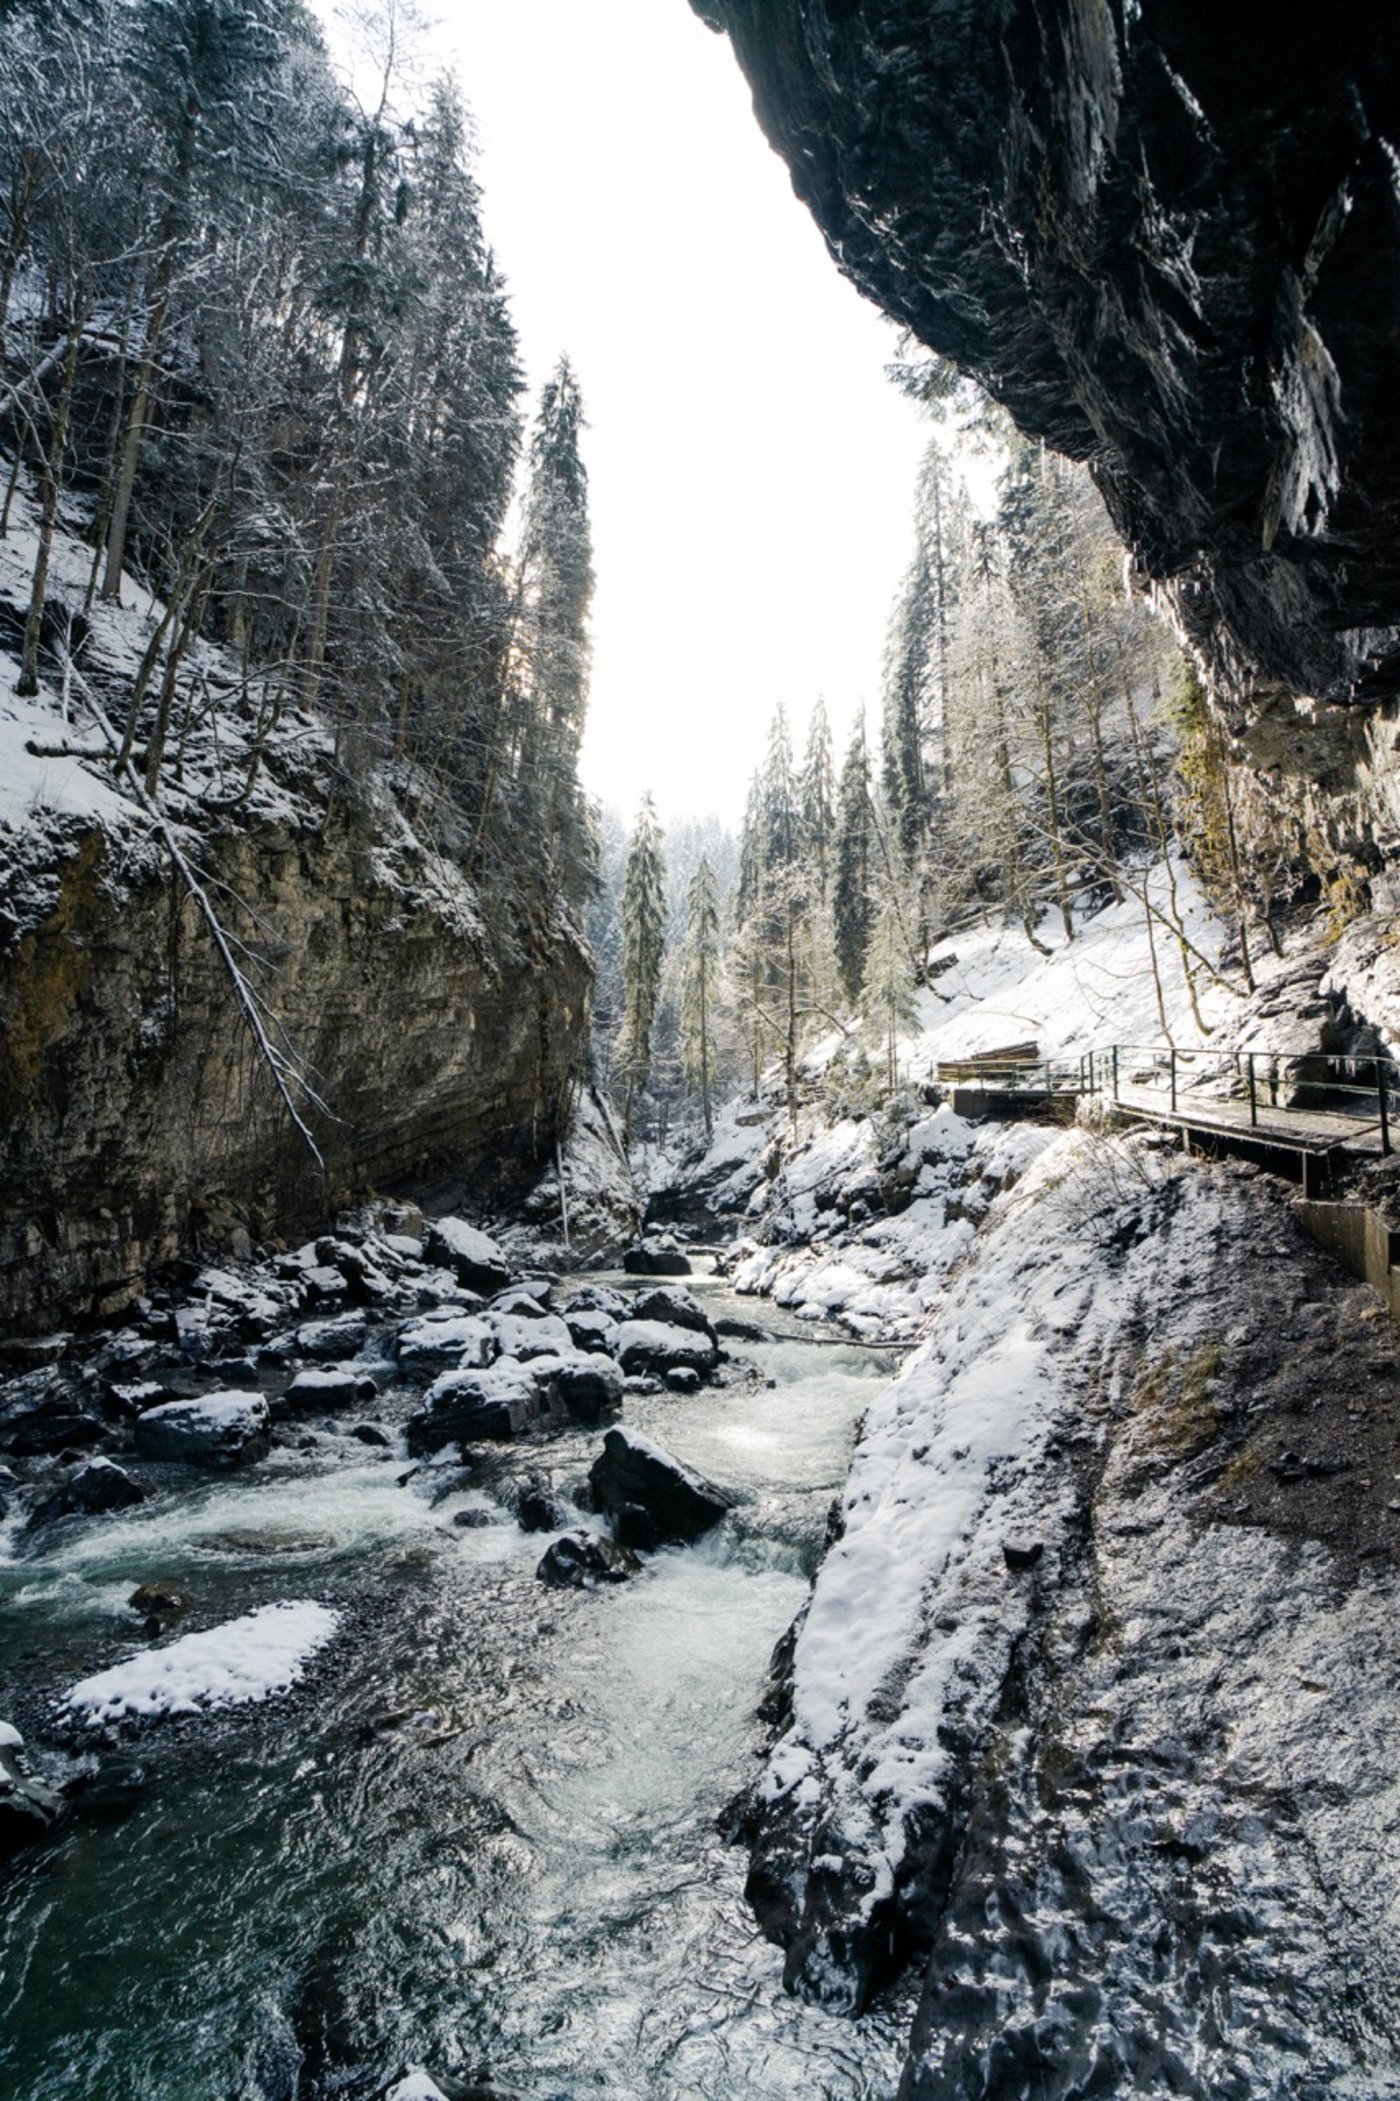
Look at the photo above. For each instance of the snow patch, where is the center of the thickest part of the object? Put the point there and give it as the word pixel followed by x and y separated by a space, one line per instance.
pixel 244 1660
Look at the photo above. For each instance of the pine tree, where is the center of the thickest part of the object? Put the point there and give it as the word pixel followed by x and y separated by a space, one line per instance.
pixel 887 995
pixel 699 977
pixel 817 788
pixel 852 911
pixel 643 948
pixel 557 575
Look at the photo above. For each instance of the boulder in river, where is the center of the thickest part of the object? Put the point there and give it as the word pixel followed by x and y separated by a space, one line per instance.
pixel 220 1429
pixel 584 1385
pixel 580 1562
pixel 449 1336
pixel 593 1329
pixel 681 1503
pixel 28 1810
pixel 461 1406
pixel 99 1485
pixel 338 1337
pixel 674 1307
pixel 655 1346
pixel 658 1257
pixel 524 1335
pixel 472 1256
pixel 317 1390
pixel 537 1507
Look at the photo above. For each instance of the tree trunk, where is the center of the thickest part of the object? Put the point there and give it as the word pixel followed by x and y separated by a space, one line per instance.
pixel 53 458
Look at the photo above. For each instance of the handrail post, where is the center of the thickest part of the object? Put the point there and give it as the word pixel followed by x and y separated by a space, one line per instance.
pixel 1253 1094
pixel 1380 1097
pixel 1115 1072
pixel 1173 1078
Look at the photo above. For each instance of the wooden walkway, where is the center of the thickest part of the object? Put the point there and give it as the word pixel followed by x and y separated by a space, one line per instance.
pixel 1357 1097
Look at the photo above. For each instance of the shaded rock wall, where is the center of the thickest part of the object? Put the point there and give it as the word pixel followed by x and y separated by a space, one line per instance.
pixel 1166 236
pixel 137 1122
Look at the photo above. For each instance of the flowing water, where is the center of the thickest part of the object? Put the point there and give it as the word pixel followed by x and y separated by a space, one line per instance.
pixel 481 1836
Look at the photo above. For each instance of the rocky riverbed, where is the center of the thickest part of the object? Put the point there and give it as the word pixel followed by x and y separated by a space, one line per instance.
pixel 358 1761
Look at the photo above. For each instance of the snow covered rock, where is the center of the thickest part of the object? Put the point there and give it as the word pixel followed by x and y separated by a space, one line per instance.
pixel 221 1429
pixel 655 1346
pixel 242 1660
pixel 473 1257
pixel 658 1257
pixel 446 1337
pixel 99 1485
pixel 524 1336
pixel 593 1329
pixel 340 1336
pixel 462 1406
pixel 632 1470
pixel 674 1307
pixel 28 1810
pixel 529 1301
pixel 585 1385
pixel 319 1390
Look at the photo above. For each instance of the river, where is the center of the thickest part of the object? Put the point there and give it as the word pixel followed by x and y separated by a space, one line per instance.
pixel 483 1836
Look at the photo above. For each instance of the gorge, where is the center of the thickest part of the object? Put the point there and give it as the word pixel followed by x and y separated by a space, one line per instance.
pixel 622 1470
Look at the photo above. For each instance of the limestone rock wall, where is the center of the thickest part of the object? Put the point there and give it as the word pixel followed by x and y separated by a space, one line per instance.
pixel 136 1121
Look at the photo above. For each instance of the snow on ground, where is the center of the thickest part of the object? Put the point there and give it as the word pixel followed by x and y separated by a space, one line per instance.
pixel 50 796
pixel 244 1660
pixel 915 1611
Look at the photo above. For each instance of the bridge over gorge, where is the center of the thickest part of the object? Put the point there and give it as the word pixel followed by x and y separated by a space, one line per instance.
pixel 1298 1112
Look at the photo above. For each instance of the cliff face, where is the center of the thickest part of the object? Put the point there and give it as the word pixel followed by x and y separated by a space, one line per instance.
pixel 137 1121
pixel 1166 236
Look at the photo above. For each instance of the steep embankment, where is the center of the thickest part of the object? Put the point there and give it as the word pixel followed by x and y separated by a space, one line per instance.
pixel 137 1119
pixel 1086 1718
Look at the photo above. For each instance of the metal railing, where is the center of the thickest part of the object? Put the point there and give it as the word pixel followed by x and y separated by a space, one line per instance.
pixel 1354 1094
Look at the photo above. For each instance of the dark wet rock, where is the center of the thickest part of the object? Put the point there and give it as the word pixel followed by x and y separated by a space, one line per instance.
pixel 267 1542
pixel 655 1347
pixel 683 1379
pixel 323 1391
pixel 1022 1553
pixel 674 1307
pixel 372 1434
pixel 656 1258
pixel 125 1399
pixel 160 1599
pixel 635 1527
pixel 1164 237
pixel 642 1384
pixel 473 1257
pixel 580 1562
pixel 110 1791
pixel 494 1405
pixel 729 1328
pixel 585 1387
pixel 633 1470
pixel 98 1486
pixel 537 1508
pixel 220 1429
pixel 323 1285
pixel 474 1520
pixel 28 1809
pixel 231 1371
pixel 41 1436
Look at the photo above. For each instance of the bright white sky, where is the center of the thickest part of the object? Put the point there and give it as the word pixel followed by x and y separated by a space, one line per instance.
pixel 751 468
